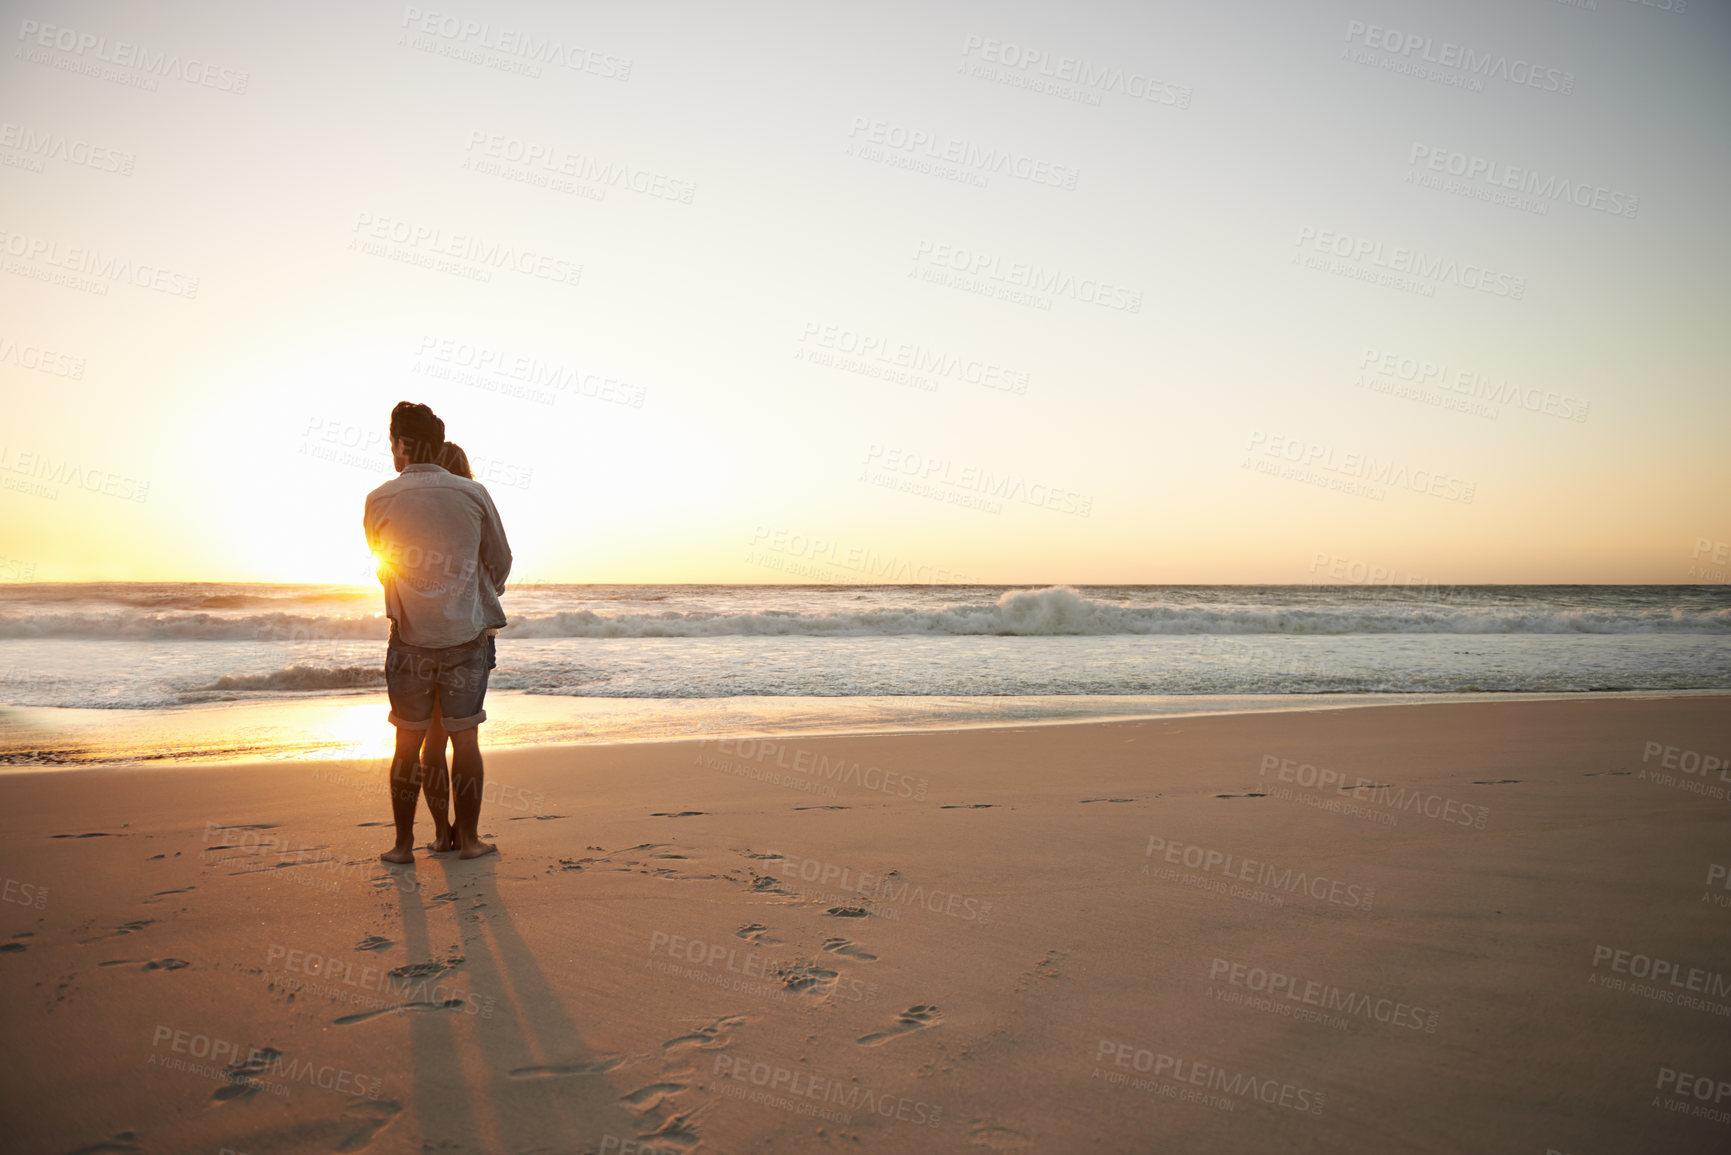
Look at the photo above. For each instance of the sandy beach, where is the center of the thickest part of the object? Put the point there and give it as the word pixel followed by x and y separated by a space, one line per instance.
pixel 1463 927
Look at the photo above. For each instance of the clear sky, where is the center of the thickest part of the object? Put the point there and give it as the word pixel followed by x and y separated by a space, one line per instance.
pixel 1074 292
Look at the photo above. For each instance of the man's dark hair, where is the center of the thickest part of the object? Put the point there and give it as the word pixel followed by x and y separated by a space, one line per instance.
pixel 420 429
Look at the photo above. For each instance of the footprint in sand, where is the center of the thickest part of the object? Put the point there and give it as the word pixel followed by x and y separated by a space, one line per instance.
pixel 124 928
pixel 764 884
pixel 561 1070
pixel 983 1134
pixel 823 808
pixel 677 1131
pixel 239 1075
pixel 166 964
pixel 92 834
pixel 416 1007
pixel 670 872
pixel 709 1037
pixel 373 942
pixel 1046 968
pixel 847 912
pixel 920 1018
pixel 843 947
pixel 679 814
pixel 117 1142
pixel 755 932
pixel 426 970
pixel 237 845
pixel 749 854
pixel 12 947
pixel 1108 800
pixel 805 979
pixel 650 1097
pixel 1495 781
pixel 365 1118
pixel 966 806
pixel 1241 796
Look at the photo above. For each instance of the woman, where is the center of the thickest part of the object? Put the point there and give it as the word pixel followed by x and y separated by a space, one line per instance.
pixel 435 770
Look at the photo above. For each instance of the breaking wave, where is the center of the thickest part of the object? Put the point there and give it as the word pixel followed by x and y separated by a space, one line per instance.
pixel 1053 612
pixel 301 678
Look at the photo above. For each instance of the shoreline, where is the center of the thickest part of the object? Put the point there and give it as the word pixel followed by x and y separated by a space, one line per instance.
pixel 243 715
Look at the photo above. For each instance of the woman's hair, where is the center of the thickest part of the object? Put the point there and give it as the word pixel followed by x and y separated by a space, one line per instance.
pixel 452 459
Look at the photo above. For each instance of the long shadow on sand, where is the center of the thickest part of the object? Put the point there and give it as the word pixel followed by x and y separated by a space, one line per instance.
pixel 442 1111
pixel 534 1083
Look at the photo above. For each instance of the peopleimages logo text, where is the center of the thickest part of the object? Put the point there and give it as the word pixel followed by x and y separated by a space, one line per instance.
pixel 98 264
pixel 516 42
pixel 1363 466
pixel 45 145
pixel 1199 1073
pixel 1257 873
pixel 560 161
pixel 464 246
pixel 1274 984
pixel 1400 259
pixel 123 54
pixel 1659 970
pixel 1448 54
pixel 945 472
pixel 1024 275
pixel 884 888
pixel 934 145
pixel 1547 186
pixel 1078 70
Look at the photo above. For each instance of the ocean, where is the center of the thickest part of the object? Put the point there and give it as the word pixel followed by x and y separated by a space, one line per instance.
pixel 145 672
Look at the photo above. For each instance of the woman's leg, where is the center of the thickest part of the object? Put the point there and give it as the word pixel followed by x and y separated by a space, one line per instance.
pixel 436 782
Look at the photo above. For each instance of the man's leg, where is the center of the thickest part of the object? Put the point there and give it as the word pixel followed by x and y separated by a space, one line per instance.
pixel 410 683
pixel 467 778
pixel 405 792
pixel 436 781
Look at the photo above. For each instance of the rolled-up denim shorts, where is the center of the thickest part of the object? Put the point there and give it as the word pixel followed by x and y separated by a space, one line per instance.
pixel 455 677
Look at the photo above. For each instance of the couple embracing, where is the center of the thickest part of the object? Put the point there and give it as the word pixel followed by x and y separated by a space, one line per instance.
pixel 443 559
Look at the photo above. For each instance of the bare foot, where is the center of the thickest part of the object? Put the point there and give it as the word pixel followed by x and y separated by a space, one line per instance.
pixel 442 843
pixel 398 857
pixel 477 848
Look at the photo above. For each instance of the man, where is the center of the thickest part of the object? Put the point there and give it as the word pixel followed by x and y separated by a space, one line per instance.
pixel 443 560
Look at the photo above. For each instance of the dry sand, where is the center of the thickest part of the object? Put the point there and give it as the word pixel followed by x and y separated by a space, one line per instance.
pixel 1113 937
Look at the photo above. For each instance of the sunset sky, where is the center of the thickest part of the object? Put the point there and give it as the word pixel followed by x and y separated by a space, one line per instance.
pixel 973 292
